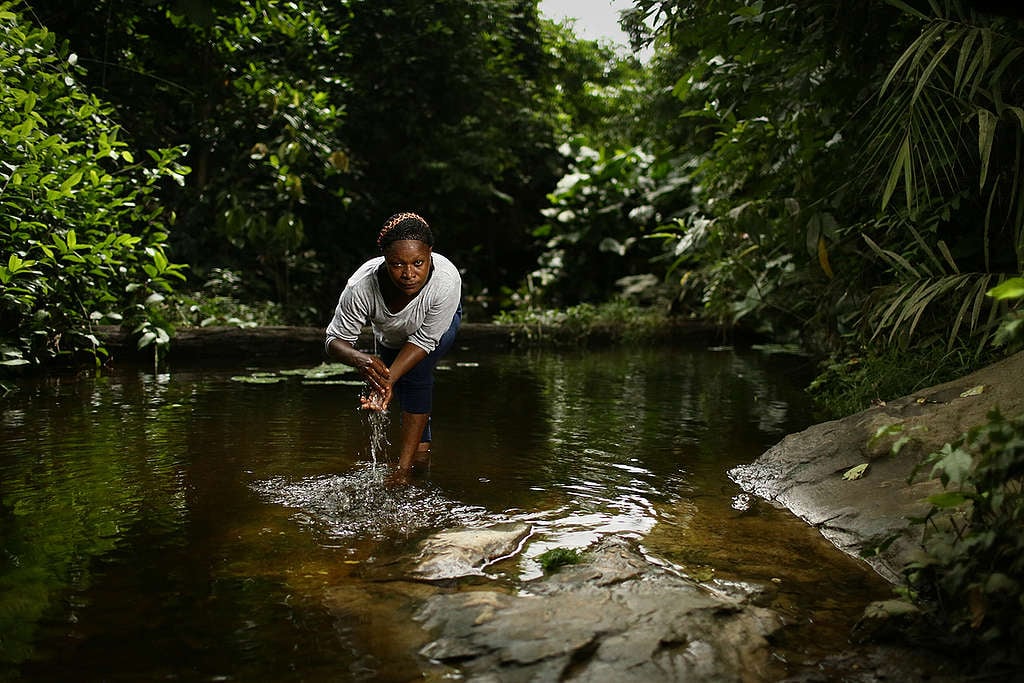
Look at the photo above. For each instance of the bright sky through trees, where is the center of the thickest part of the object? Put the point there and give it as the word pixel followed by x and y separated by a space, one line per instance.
pixel 594 19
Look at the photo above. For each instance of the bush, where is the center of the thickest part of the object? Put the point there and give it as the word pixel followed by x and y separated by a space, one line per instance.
pixel 82 240
pixel 846 386
pixel 220 302
pixel 617 321
pixel 971 581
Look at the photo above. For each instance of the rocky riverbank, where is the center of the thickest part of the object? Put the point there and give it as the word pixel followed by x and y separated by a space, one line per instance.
pixel 619 616
pixel 807 472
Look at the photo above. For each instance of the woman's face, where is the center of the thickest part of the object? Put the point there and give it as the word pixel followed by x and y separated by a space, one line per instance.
pixel 408 265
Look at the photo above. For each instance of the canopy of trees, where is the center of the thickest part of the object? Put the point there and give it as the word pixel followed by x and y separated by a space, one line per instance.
pixel 844 175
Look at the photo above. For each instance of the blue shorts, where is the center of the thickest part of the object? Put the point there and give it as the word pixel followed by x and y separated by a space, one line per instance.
pixel 415 390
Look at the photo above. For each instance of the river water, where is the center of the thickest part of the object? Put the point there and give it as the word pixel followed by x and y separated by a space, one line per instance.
pixel 207 524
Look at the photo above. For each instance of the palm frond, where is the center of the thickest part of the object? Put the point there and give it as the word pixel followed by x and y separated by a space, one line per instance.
pixel 901 308
pixel 942 105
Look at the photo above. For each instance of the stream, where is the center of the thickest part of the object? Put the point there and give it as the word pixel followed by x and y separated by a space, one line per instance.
pixel 222 524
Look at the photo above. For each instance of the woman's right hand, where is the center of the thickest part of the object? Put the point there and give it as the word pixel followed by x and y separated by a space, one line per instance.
pixel 375 373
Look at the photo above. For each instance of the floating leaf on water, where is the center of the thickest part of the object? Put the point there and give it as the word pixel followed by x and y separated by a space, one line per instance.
pixel 329 382
pixel 322 371
pixel 856 472
pixel 771 349
pixel 973 391
pixel 258 378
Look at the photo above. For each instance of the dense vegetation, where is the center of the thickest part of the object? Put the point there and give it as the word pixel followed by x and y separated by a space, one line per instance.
pixel 843 175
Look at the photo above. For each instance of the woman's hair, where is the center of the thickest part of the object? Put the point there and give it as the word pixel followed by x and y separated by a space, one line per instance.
pixel 404 226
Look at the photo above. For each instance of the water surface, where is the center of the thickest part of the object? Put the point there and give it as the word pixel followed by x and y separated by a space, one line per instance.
pixel 190 526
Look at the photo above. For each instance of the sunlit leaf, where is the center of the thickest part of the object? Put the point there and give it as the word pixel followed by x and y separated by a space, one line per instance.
pixel 856 472
pixel 1008 289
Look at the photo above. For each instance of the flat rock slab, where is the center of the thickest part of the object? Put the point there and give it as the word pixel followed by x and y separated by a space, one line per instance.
pixel 464 552
pixel 615 617
pixel 805 471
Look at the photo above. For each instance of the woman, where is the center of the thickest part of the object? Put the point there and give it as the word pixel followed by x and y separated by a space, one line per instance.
pixel 412 298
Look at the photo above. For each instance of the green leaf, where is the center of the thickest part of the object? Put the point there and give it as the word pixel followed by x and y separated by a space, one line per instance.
pixel 953 466
pixel 1008 289
pixel 986 133
pixel 856 472
pixel 73 180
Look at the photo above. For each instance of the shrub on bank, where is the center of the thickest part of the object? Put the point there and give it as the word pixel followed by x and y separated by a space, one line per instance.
pixel 82 238
pixel 970 580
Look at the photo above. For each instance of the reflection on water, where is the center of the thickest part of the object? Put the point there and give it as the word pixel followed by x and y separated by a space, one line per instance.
pixel 188 526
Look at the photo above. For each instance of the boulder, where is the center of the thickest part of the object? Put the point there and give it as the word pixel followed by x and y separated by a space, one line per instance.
pixel 810 472
pixel 614 617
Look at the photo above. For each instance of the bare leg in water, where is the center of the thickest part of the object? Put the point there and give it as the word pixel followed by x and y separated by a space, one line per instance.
pixel 411 451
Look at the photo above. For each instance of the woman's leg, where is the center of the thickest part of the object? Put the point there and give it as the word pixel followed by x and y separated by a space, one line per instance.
pixel 410 442
pixel 415 392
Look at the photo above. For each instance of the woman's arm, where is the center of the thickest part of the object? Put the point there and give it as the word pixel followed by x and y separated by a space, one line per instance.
pixel 407 358
pixel 371 367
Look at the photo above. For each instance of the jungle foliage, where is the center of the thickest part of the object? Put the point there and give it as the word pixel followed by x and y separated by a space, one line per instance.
pixel 970 577
pixel 845 175
pixel 83 236
pixel 861 194
pixel 309 123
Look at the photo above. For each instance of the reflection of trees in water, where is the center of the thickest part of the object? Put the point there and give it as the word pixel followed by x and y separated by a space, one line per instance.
pixel 138 489
pixel 69 500
pixel 626 431
pixel 653 404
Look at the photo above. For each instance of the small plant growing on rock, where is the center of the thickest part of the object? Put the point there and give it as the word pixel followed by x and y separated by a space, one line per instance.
pixel 551 560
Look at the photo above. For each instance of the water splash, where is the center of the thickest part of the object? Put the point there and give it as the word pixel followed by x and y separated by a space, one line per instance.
pixel 378 422
pixel 359 503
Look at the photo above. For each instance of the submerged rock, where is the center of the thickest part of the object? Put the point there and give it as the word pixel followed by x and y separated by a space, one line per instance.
pixel 614 617
pixel 463 552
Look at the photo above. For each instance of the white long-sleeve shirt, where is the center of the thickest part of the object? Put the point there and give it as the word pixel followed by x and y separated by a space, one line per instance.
pixel 423 320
